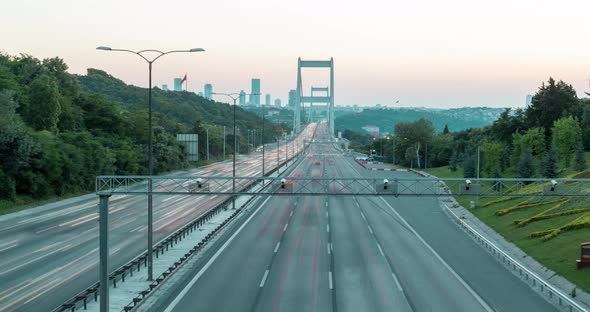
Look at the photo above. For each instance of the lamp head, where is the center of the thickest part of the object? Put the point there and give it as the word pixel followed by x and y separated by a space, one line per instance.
pixel 104 48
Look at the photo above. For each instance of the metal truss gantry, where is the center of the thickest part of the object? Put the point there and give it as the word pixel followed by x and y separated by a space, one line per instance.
pixel 328 99
pixel 291 186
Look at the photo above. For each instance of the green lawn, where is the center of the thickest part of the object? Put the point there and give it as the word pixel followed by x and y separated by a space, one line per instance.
pixel 558 254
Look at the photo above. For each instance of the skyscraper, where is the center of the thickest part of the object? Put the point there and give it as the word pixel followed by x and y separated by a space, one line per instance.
pixel 208 91
pixel 242 97
pixel 165 87
pixel 277 103
pixel 267 100
pixel 178 84
pixel 292 98
pixel 255 94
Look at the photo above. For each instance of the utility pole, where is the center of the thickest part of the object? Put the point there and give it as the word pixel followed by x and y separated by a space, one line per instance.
pixel 150 212
pixel 207 144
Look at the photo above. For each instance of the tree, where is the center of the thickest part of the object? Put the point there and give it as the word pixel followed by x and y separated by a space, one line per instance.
pixel 446 129
pixel 469 165
pixel 553 101
pixel 492 153
pixel 533 138
pixel 505 158
pixel 585 125
pixel 44 108
pixel 508 123
pixel 525 165
pixel 454 162
pixel 440 150
pixel 413 134
pixel 566 137
pixel 580 158
pixel 549 163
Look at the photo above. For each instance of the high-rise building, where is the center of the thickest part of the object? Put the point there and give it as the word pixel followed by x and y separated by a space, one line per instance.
pixel 292 98
pixel 208 91
pixel 255 94
pixel 529 100
pixel 200 94
pixel 242 97
pixel 267 100
pixel 177 84
pixel 277 103
pixel 165 87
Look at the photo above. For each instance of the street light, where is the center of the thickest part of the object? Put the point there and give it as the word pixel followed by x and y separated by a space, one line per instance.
pixel 150 147
pixel 234 97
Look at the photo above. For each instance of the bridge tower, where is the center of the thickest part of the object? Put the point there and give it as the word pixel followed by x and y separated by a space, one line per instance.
pixel 327 100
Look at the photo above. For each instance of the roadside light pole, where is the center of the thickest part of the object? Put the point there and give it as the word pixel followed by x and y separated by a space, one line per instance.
pixel 150 145
pixel 234 97
pixel 207 144
pixel 223 142
pixel 263 141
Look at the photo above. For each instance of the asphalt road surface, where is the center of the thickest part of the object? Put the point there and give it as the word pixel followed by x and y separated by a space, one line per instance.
pixel 49 254
pixel 344 253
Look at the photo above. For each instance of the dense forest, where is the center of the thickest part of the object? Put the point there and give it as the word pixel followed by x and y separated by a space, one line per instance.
pixel 545 138
pixel 58 131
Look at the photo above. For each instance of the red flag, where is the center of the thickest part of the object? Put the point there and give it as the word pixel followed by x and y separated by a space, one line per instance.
pixel 183 79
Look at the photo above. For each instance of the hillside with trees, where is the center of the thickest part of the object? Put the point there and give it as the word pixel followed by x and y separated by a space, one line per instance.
pixel 456 119
pixel 58 131
pixel 540 141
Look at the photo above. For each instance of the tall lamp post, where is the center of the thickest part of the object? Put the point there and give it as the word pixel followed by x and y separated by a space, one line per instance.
pixel 234 97
pixel 150 61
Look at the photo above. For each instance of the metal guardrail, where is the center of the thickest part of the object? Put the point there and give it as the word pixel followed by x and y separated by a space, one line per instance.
pixel 535 281
pixel 363 186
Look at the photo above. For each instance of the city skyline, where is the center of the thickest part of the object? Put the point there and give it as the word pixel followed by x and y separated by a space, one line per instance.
pixel 421 54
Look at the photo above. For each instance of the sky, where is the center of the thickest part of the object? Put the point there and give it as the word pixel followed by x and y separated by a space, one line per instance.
pixel 427 53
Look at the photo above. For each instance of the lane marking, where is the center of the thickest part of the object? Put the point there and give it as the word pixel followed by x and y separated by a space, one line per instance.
pixel 277 247
pixel 363 215
pixel 326 204
pixel 327 214
pixel 264 279
pixel 370 229
pixel 328 228
pixel 291 214
pixel 446 265
pixel 328 247
pixel 8 247
pixel 380 250
pixel 186 289
pixel 399 286
pixel 330 280
pixel 285 227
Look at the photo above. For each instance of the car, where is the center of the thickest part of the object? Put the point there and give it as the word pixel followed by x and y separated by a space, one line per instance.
pixel 317 162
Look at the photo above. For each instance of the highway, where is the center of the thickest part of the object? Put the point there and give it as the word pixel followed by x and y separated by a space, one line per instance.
pixel 344 253
pixel 49 254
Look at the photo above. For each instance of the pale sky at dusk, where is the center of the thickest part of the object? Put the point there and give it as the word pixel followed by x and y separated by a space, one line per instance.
pixel 423 53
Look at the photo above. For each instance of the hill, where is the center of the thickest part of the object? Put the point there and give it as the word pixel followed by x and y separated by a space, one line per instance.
pixel 58 131
pixel 457 119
